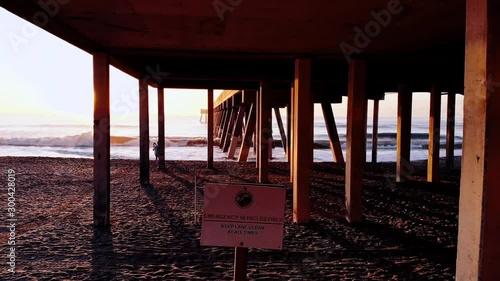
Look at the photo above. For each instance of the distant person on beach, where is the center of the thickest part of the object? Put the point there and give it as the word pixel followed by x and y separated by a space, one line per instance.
pixel 156 149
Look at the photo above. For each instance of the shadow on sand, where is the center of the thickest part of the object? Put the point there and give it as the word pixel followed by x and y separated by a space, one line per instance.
pixel 103 256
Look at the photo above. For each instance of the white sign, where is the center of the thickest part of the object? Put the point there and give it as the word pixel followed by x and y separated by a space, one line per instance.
pixel 247 216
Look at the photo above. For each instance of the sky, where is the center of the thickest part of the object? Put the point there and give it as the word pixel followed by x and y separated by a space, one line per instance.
pixel 47 80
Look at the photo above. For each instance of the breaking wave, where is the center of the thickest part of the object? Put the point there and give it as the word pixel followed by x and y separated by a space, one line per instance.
pixel 87 140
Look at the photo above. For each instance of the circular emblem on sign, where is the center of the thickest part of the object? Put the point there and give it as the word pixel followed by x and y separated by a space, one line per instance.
pixel 244 199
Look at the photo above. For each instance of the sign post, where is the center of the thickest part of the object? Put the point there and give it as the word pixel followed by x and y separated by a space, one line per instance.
pixel 243 216
pixel 240 264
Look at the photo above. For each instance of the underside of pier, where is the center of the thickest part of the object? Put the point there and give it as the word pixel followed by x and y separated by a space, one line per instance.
pixel 274 54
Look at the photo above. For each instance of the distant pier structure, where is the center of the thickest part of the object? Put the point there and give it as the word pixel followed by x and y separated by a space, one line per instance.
pixel 307 54
pixel 204 116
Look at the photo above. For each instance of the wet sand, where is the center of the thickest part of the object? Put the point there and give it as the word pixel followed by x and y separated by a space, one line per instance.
pixel 409 232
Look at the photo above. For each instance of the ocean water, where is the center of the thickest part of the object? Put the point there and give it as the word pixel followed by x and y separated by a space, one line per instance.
pixel 183 135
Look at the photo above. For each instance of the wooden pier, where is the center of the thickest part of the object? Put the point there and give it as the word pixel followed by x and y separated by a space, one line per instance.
pixel 295 55
pixel 204 116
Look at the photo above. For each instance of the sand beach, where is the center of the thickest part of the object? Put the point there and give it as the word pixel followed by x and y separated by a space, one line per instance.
pixel 409 232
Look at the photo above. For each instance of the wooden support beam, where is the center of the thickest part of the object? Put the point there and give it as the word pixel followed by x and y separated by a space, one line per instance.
pixel 247 116
pixel 210 130
pixel 333 134
pixel 144 132
pixel 204 84
pixel 256 140
pixel 479 226
pixel 240 264
pixel 303 122
pixel 224 113
pixel 279 120
pixel 102 137
pixel 161 128
pixel 255 144
pixel 434 134
pixel 450 131
pixel 218 120
pixel 291 160
pixel 288 131
pixel 404 133
pixel 221 122
pixel 248 134
pixel 230 129
pixel 375 130
pixel 236 135
pixel 227 97
pixel 356 140
pixel 265 132
pixel 218 116
pixel 225 127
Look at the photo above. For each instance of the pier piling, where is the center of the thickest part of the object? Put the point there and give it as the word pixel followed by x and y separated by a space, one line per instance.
pixel 144 132
pixel 434 134
pixel 102 137
pixel 303 123
pixel 356 140
pixel 403 133
pixel 161 128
